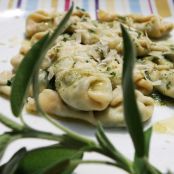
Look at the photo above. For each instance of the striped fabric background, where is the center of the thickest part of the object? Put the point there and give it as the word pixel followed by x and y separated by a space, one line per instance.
pixel 164 8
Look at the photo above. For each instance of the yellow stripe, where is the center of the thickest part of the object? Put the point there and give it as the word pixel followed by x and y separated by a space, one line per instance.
pixel 42 4
pixel 10 4
pixel 124 5
pixel 110 5
pixel 163 8
pixel 54 4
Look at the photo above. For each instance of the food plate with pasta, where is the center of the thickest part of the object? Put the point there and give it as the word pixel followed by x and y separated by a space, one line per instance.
pixel 80 77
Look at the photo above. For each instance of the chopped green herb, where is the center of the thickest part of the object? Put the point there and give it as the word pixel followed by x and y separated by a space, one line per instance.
pixel 155 60
pixel 84 19
pixel 147 75
pixel 168 85
pixel 108 69
pixel 113 73
pixel 82 9
pixel 139 34
pixel 122 18
pixel 51 83
pixel 10 82
pixel 162 99
pixel 101 53
pixel 91 30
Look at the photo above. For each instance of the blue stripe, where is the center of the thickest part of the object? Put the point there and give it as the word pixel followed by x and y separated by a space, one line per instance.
pixel 135 6
pixel 31 5
pixel 85 5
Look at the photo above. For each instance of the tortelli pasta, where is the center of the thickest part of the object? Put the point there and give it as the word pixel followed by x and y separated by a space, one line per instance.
pixel 81 74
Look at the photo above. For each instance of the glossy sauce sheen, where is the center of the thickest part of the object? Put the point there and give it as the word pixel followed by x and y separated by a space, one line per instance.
pixel 165 126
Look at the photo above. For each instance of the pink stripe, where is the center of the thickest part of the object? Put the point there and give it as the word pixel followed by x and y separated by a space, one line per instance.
pixel 150 6
pixel 67 4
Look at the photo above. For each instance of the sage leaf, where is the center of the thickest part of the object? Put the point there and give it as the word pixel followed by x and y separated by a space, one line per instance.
pixel 11 166
pixel 1 168
pixel 60 168
pixel 24 76
pixel 64 167
pixel 140 166
pixel 147 135
pixel 131 112
pixel 169 56
pixel 111 151
pixel 59 30
pixel 41 160
pixel 9 123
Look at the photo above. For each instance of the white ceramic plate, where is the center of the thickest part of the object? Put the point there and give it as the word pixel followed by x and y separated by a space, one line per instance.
pixel 162 145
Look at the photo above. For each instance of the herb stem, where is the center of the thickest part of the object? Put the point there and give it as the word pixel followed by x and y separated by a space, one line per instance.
pixel 31 133
pixel 10 123
pixel 151 168
pixel 124 164
pixel 71 133
pixel 23 122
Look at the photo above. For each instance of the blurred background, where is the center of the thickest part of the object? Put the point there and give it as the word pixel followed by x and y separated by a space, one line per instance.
pixel 164 8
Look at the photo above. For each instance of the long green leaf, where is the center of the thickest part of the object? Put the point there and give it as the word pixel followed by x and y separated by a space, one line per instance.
pixel 41 160
pixel 131 112
pixel 140 163
pixel 60 168
pixel 24 76
pixel 11 166
pixel 59 30
pixel 147 135
pixel 30 65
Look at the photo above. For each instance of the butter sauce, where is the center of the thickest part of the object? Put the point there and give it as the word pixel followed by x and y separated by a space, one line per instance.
pixel 165 126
